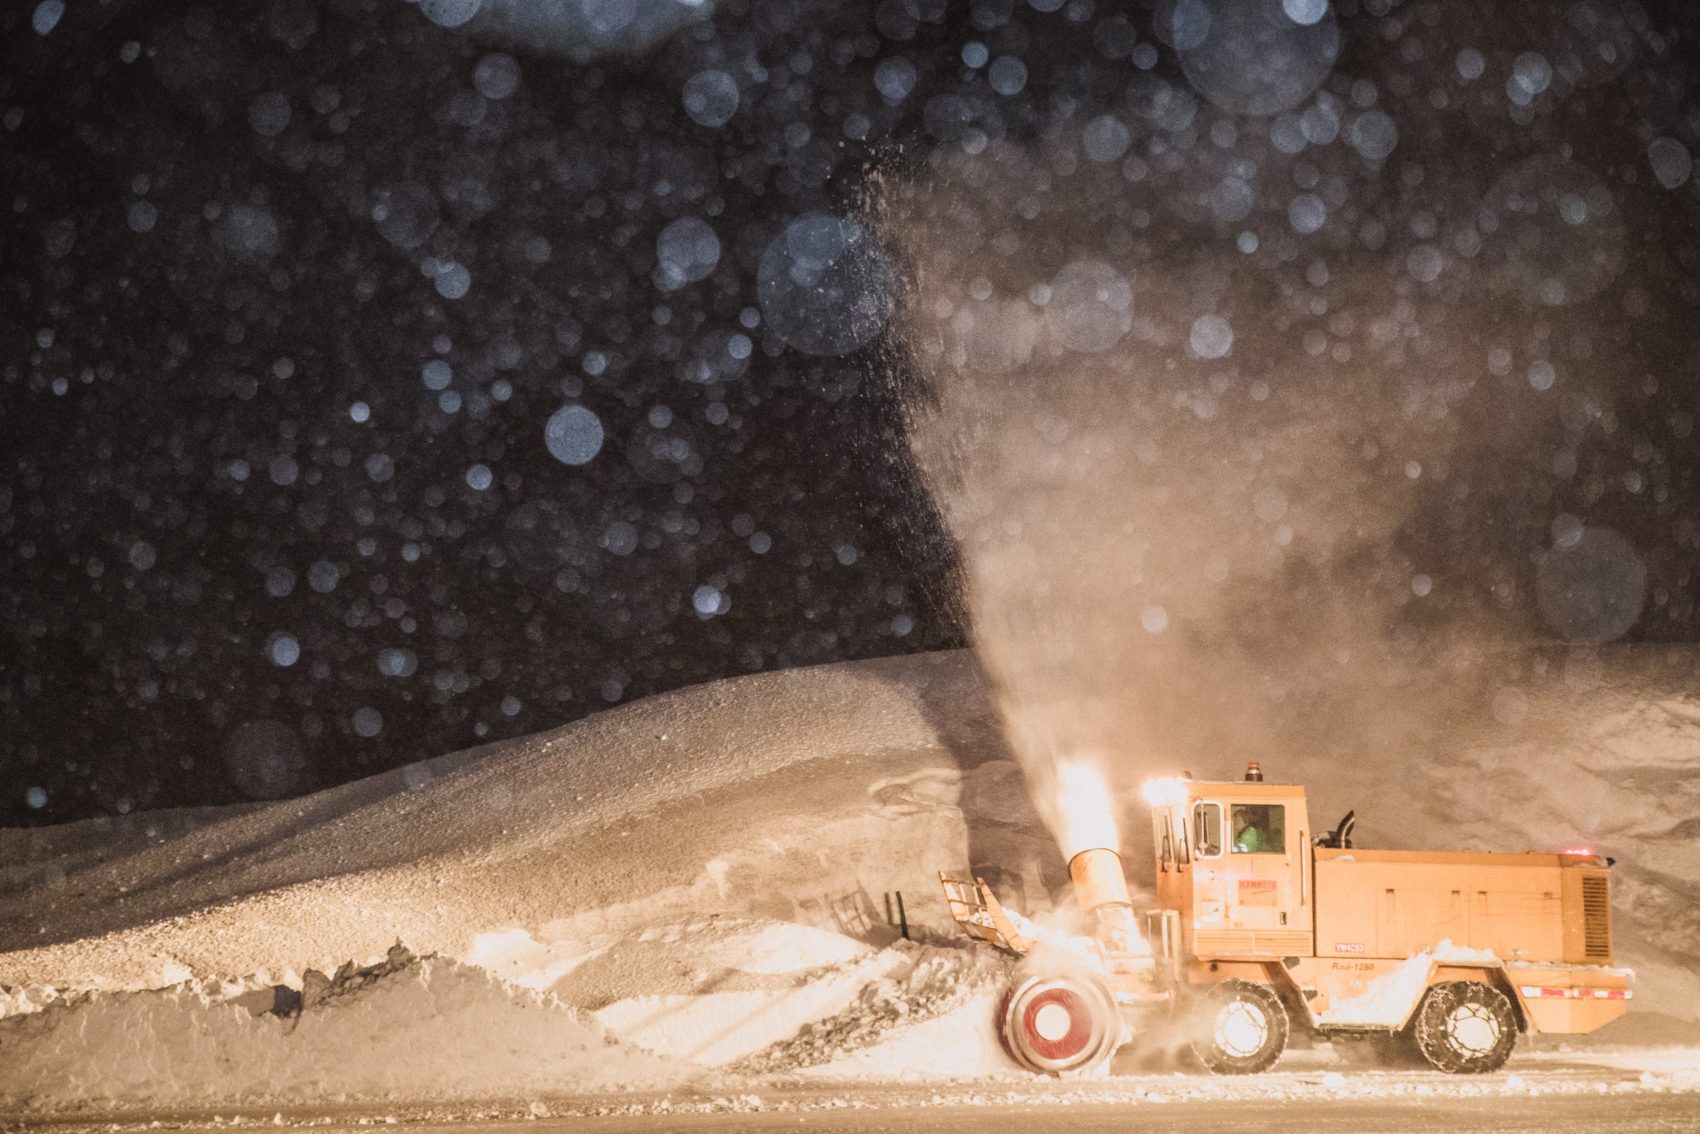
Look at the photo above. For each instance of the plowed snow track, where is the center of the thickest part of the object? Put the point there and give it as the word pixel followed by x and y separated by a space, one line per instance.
pixel 1615 1089
pixel 1579 1100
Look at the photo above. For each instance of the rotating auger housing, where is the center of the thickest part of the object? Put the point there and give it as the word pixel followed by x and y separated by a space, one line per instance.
pixel 1064 1012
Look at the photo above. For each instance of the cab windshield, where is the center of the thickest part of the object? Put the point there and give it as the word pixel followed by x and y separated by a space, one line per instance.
pixel 1259 828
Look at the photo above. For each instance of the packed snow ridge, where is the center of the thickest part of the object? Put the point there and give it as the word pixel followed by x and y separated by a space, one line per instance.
pixel 707 883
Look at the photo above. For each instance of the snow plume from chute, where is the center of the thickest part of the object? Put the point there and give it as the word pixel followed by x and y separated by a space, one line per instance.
pixel 1085 813
pixel 1136 522
pixel 1206 495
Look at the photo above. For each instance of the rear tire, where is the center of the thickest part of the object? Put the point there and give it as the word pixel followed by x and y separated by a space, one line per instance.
pixel 1060 1024
pixel 1242 1028
pixel 1465 1028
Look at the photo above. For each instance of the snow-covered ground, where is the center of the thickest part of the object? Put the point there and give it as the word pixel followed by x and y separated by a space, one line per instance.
pixel 698 893
pixel 1530 1099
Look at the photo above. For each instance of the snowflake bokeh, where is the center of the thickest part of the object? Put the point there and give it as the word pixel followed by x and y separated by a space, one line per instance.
pixel 381 378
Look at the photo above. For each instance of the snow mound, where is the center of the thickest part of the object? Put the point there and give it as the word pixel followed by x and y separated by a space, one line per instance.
pixel 720 954
pixel 655 1009
pixel 409 1027
pixel 931 1016
pixel 812 796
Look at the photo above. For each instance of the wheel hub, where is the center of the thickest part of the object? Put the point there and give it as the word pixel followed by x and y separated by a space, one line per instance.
pixel 1051 1022
pixel 1472 1029
pixel 1058 1023
pixel 1240 1029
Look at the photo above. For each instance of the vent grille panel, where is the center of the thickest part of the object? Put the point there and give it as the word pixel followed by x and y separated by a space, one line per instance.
pixel 1596 918
pixel 1257 942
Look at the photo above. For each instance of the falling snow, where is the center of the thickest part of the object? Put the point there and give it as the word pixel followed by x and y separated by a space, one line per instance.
pixel 413 374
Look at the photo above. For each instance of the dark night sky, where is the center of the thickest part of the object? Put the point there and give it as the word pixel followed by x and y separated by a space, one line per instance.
pixel 291 291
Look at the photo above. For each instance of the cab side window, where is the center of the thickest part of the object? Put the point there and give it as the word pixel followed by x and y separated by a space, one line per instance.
pixel 1259 828
pixel 1207 829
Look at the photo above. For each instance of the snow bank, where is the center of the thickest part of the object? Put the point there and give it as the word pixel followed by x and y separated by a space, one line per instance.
pixel 812 796
pixel 433 1028
pixel 407 1028
pixel 706 954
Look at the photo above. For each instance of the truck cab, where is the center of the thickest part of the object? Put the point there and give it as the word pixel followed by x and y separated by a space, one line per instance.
pixel 1233 858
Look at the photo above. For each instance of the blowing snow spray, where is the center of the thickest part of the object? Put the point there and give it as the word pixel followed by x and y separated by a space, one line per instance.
pixel 1092 841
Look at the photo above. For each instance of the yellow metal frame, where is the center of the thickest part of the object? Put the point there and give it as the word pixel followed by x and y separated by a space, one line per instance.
pixel 977 910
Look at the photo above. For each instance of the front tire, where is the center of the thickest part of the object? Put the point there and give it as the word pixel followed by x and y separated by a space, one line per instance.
pixel 1060 1024
pixel 1465 1028
pixel 1242 1026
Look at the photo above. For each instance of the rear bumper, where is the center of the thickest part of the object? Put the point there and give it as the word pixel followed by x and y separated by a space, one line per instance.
pixel 1572 1001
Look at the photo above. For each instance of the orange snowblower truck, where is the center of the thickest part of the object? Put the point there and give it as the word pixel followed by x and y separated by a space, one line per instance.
pixel 1263 925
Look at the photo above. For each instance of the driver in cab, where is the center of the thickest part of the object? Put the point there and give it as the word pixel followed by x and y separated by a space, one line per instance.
pixel 1248 837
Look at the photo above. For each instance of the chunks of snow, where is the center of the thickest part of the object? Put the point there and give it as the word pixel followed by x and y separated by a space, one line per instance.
pixel 1390 998
pixel 717 1027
